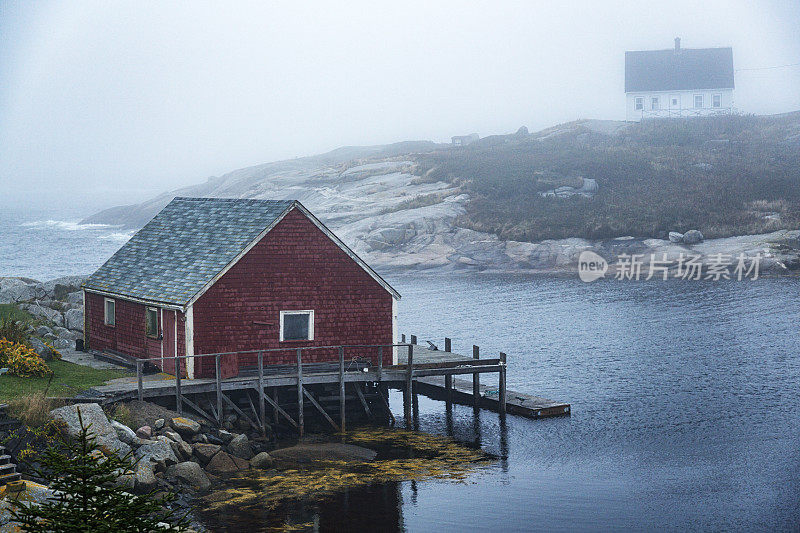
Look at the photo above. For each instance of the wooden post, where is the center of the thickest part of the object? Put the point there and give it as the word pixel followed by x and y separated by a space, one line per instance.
pixel 275 403
pixel 262 407
pixel 178 397
pixel 413 339
pixel 139 379
pixel 218 364
pixel 502 383
pixel 447 343
pixel 407 393
pixel 403 337
pixel 380 363
pixel 448 387
pixel 341 388
pixel 300 419
pixel 476 379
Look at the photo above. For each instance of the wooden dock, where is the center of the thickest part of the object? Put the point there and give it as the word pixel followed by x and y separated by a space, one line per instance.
pixel 473 392
pixel 418 369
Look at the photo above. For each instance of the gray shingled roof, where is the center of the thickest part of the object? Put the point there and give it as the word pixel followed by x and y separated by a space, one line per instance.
pixel 183 247
pixel 686 69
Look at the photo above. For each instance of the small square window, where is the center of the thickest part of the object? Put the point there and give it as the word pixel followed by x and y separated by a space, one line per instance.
pixel 674 102
pixel 297 326
pixel 110 313
pixel 698 100
pixel 716 101
pixel 638 103
pixel 151 322
pixel 654 103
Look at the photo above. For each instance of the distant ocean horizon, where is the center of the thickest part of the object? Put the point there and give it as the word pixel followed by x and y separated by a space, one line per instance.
pixel 47 243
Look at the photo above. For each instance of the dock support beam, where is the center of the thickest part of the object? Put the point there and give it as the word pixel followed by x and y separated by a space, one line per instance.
pixel 476 379
pixel 140 386
pixel 502 384
pixel 407 392
pixel 413 339
pixel 178 397
pixel 262 404
pixel 300 421
pixel 447 343
pixel 341 390
pixel 448 387
pixel 218 364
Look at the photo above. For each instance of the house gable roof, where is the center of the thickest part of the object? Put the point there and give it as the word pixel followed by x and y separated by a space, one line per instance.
pixel 685 69
pixel 188 245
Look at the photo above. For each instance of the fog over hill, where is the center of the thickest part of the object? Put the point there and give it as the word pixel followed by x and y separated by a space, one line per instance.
pixel 533 201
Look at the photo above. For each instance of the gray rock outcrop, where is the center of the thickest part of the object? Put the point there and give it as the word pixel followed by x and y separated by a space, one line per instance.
pixel 96 422
pixel 124 433
pixel 185 426
pixel 156 452
pixel 692 236
pixel 191 474
pixel 73 319
pixel 145 477
pixel 240 447
pixel 262 461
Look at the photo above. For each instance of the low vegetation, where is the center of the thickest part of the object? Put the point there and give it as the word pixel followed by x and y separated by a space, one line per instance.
pixel 725 176
pixel 68 379
pixel 86 496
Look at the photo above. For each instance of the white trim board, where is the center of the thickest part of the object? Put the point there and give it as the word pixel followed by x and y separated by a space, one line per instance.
pixel 309 312
pixel 116 295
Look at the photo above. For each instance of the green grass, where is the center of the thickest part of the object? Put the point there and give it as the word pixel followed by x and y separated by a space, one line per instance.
pixel 14 313
pixel 68 380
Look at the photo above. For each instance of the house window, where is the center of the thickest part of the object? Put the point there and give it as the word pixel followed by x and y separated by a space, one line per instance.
pixel 110 314
pixel 698 100
pixel 297 326
pixel 638 103
pixel 654 103
pixel 716 101
pixel 674 102
pixel 151 322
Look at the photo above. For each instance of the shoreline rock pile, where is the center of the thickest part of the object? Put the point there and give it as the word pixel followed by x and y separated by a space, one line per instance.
pixel 58 302
pixel 178 452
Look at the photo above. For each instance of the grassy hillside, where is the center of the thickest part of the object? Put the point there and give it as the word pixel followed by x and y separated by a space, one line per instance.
pixel 723 175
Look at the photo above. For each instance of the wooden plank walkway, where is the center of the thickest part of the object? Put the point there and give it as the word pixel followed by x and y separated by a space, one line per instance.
pixel 430 372
pixel 436 387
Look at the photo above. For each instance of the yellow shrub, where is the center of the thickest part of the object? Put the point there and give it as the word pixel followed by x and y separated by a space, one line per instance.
pixel 21 360
pixel 56 353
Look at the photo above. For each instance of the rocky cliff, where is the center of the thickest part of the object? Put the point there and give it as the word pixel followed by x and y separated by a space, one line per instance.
pixel 397 208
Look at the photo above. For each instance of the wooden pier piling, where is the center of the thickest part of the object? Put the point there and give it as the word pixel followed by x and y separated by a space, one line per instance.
pixel 476 378
pixel 300 400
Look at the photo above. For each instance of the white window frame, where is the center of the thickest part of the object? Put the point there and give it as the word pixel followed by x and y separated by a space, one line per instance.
pixel 309 312
pixel 674 102
pixel 105 312
pixel 655 103
pixel 637 100
pixel 716 100
pixel 154 310
pixel 702 101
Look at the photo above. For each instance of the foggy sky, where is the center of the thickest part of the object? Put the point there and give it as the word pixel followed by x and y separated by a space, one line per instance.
pixel 115 102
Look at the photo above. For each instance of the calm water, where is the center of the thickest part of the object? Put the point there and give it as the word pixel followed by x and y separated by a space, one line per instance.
pixel 684 397
pixel 684 404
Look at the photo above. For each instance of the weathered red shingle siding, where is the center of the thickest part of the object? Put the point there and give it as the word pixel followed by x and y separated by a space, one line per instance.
pixel 294 267
pixel 128 334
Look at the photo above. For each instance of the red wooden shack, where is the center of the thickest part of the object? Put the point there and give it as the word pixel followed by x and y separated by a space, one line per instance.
pixel 213 275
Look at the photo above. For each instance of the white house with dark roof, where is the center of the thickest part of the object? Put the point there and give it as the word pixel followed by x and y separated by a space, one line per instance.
pixel 678 82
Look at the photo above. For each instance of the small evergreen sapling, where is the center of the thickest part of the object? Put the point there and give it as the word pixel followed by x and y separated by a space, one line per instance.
pixel 86 498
